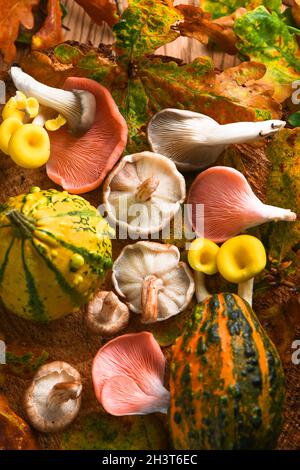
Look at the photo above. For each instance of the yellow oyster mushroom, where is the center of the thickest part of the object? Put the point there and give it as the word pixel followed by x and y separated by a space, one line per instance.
pixel 202 257
pixel 7 128
pixel 29 147
pixel 20 100
pixel 239 260
pixel 32 107
pixel 56 123
pixel 11 110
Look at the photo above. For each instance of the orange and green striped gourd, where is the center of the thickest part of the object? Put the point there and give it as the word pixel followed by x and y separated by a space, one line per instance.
pixel 226 380
pixel 54 251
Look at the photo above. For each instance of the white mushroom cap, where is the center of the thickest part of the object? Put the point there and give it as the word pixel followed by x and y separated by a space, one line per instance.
pixel 53 399
pixel 143 193
pixel 106 314
pixel 153 280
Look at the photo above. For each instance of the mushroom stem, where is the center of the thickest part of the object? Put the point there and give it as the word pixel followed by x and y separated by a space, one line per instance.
pixel 200 288
pixel 146 189
pixel 245 290
pixel 241 132
pixel 77 106
pixel 63 392
pixel 109 306
pixel 277 213
pixel 150 289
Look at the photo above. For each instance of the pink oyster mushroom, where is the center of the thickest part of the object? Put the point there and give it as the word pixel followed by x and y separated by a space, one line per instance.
pixel 128 375
pixel 80 164
pixel 230 206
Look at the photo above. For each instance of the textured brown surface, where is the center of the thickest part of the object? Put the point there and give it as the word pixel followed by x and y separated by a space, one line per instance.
pixel 68 339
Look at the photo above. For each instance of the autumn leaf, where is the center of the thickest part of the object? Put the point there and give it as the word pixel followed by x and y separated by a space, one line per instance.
pixel 221 8
pixel 15 433
pixel 145 26
pixel 198 24
pixel 101 10
pixel 142 83
pixel 13 14
pixel 296 12
pixel 50 33
pixel 266 38
pixel 282 239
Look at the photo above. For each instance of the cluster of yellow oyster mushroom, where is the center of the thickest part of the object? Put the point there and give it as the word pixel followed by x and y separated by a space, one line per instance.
pixel 21 135
pixel 239 259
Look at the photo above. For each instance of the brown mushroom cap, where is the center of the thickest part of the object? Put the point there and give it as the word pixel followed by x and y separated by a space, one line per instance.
pixel 53 399
pixel 106 314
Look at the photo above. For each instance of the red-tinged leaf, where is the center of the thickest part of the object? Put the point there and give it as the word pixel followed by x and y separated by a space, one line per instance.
pixel 198 24
pixel 101 10
pixel 13 14
pixel 296 12
pixel 50 33
pixel 15 434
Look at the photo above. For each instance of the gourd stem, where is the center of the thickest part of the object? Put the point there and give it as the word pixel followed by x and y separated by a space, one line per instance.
pixel 245 290
pixel 200 288
pixel 24 225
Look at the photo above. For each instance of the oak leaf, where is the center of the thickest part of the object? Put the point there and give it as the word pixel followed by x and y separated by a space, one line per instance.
pixel 198 24
pixel 13 14
pixel 50 33
pixel 101 10
pixel 265 37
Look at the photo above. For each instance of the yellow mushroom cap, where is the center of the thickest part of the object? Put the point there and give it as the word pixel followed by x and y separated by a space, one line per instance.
pixel 20 100
pixel 202 256
pixel 32 107
pixel 56 123
pixel 29 147
pixel 7 129
pixel 11 110
pixel 241 258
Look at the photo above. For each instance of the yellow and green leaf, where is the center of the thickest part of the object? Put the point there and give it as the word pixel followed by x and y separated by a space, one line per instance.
pixel 266 37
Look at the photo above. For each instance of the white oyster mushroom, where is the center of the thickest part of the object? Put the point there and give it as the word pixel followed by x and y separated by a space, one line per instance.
pixel 194 141
pixel 153 280
pixel 143 192
pixel 53 399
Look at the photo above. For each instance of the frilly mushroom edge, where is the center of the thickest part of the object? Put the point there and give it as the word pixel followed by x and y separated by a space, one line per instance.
pixel 53 399
pixel 153 280
pixel 152 182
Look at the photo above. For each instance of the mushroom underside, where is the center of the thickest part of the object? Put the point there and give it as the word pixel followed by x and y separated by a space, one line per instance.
pixel 80 164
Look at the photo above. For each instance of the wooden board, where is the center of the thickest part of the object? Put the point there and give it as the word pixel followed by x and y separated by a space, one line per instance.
pixel 68 339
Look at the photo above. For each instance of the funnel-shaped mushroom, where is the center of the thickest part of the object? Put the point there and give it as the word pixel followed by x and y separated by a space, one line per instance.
pixel 153 280
pixel 239 260
pixel 143 192
pixel 128 376
pixel 80 159
pixel 106 314
pixel 230 206
pixel 195 141
pixel 202 257
pixel 53 399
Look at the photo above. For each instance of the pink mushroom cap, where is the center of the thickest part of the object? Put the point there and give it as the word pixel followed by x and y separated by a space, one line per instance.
pixel 128 376
pixel 79 164
pixel 230 206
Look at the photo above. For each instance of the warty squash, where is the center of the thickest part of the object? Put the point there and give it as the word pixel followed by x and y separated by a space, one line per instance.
pixel 227 383
pixel 54 250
